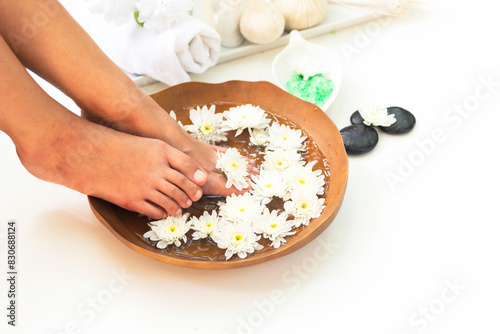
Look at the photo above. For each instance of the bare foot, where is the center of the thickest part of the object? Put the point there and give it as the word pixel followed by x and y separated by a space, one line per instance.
pixel 139 174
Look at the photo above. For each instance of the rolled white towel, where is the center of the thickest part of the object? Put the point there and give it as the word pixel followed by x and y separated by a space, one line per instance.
pixel 190 46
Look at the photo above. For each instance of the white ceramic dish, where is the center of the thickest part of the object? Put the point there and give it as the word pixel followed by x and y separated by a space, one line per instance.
pixel 315 55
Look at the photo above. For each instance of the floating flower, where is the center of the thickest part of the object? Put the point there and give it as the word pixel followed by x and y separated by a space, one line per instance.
pixel 206 125
pixel 234 167
pixel 171 230
pixel 267 185
pixel 298 178
pixel 245 116
pixel 376 115
pixel 304 206
pixel 240 208
pixel 274 227
pixel 237 239
pixel 160 15
pixel 280 159
pixel 205 225
pixel 259 137
pixel 284 137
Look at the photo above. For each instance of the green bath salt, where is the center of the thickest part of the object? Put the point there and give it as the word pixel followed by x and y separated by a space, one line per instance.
pixel 316 89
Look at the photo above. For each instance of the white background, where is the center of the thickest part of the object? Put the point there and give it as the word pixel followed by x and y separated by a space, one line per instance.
pixel 396 250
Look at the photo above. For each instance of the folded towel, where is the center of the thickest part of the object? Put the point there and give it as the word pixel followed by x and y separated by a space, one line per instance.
pixel 190 46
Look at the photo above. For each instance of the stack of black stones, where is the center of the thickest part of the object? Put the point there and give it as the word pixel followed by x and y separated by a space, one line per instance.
pixel 360 138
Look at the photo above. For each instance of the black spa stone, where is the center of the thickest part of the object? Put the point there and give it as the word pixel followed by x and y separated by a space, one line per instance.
pixel 356 118
pixel 359 138
pixel 405 121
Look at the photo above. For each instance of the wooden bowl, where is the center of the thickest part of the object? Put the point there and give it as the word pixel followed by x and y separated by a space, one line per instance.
pixel 128 227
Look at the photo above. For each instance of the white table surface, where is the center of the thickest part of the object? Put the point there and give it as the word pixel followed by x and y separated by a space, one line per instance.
pixel 418 257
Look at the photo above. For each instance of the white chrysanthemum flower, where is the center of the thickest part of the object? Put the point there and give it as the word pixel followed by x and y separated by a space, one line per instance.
pixel 206 125
pixel 306 66
pixel 304 206
pixel 241 208
pixel 160 15
pixel 245 116
pixel 171 230
pixel 284 137
pixel 267 185
pixel 259 137
pixel 298 178
pixel 234 167
pixel 280 159
pixel 205 225
pixel 237 239
pixel 376 115
pixel 274 227
pixel 115 11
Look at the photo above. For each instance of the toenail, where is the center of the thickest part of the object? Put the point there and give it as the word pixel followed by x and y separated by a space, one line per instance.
pixel 189 202
pixel 198 194
pixel 200 175
pixel 178 212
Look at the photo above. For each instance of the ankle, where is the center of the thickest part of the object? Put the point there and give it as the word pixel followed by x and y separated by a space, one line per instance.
pixel 54 155
pixel 119 108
